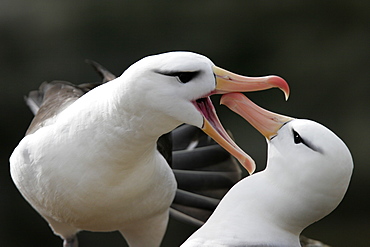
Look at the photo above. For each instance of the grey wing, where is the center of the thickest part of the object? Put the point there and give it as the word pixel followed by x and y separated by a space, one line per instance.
pixel 53 97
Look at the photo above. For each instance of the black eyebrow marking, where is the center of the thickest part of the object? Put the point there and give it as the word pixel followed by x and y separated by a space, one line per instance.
pixel 183 76
pixel 308 143
pixel 313 146
pixel 176 73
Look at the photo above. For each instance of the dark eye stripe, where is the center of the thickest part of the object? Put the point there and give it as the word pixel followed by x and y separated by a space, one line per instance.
pixel 298 139
pixel 183 76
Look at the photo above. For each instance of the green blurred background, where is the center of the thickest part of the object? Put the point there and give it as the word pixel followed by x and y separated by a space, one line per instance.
pixel 322 48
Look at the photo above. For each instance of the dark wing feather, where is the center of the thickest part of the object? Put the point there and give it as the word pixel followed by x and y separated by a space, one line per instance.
pixel 105 74
pixel 204 172
pixel 164 146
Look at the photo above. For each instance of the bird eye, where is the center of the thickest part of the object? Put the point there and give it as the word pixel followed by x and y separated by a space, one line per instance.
pixel 297 138
pixel 185 77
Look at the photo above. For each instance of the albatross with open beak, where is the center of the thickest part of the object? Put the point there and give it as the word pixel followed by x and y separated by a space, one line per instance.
pixel 91 161
pixel 308 172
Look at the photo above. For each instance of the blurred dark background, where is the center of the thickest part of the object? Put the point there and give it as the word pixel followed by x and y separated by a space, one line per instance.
pixel 322 48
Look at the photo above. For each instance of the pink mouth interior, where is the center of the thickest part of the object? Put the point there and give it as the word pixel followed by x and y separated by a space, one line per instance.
pixel 212 126
pixel 206 108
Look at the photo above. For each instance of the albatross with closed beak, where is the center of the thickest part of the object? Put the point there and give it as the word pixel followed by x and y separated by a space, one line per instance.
pixel 308 172
pixel 89 160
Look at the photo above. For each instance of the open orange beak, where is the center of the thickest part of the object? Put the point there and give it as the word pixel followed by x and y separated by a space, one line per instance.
pixel 226 83
pixel 266 122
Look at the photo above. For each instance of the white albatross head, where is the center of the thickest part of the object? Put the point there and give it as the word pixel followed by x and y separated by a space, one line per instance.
pixel 177 86
pixel 307 175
